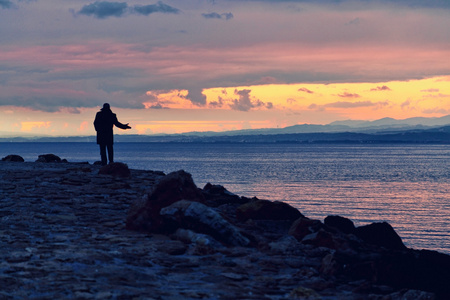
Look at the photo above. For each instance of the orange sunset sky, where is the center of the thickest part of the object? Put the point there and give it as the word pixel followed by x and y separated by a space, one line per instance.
pixel 204 65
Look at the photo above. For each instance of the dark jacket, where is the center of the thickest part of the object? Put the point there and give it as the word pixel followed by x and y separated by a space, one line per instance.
pixel 104 123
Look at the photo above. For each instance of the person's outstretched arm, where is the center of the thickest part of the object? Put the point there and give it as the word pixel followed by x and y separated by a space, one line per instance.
pixel 120 125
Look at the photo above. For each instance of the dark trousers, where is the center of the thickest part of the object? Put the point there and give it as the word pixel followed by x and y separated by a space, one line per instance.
pixel 103 148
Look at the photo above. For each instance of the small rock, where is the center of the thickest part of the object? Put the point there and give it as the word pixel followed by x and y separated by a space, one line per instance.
pixel 48 158
pixel 13 157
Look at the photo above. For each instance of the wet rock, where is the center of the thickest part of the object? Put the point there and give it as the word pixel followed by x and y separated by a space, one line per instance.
pixel 115 169
pixel 380 234
pixel 343 224
pixel 13 157
pixel 48 158
pixel 203 219
pixel 144 214
pixel 267 210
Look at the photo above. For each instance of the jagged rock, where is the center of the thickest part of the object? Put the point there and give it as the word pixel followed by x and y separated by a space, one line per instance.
pixel 303 227
pixel 115 169
pixel 144 214
pixel 267 210
pixel 203 219
pixel 380 234
pixel 48 158
pixel 343 224
pixel 13 157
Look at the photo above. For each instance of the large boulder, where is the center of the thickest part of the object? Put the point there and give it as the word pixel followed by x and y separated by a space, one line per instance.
pixel 144 214
pixel 267 210
pixel 203 219
pixel 115 169
pixel 13 157
pixel 380 234
pixel 48 158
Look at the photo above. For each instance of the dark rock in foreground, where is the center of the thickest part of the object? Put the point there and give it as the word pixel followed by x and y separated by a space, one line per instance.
pixel 373 253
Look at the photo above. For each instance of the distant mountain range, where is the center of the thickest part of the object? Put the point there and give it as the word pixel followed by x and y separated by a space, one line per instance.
pixel 412 130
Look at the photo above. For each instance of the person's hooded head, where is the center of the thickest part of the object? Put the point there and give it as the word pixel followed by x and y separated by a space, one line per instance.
pixel 106 107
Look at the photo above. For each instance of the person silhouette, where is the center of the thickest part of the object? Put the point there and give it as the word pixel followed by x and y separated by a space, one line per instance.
pixel 104 122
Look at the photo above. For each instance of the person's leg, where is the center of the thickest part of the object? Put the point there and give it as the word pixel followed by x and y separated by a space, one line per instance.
pixel 103 154
pixel 110 153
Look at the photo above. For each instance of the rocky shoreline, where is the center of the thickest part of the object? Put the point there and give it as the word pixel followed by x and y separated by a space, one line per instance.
pixel 80 231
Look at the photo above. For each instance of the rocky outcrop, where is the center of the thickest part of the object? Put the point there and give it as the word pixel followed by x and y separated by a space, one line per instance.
pixel 13 157
pixel 212 218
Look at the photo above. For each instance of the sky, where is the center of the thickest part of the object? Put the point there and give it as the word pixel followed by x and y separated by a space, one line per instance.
pixel 176 66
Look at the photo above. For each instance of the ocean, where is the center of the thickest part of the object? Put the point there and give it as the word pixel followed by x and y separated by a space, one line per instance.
pixel 405 185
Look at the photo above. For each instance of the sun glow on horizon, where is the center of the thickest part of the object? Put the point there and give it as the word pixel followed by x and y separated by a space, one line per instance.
pixel 249 107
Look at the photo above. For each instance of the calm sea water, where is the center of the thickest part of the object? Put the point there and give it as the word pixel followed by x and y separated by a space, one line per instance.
pixel 405 185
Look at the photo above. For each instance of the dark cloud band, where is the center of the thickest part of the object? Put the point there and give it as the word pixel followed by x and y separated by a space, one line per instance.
pixel 104 9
